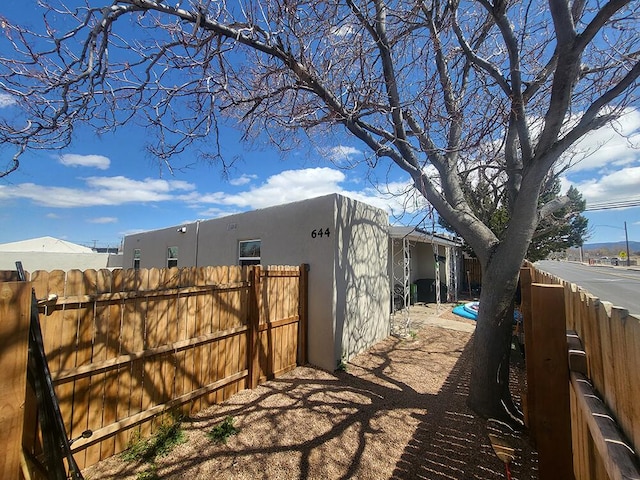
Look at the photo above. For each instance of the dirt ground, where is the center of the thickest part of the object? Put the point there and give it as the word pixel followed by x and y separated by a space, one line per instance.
pixel 397 412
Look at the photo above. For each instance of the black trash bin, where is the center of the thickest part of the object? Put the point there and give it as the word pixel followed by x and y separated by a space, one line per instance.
pixel 427 290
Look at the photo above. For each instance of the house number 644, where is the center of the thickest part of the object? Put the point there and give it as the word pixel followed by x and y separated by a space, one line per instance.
pixel 320 232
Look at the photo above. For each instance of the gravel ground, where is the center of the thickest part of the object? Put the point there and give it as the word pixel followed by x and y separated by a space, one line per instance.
pixel 397 412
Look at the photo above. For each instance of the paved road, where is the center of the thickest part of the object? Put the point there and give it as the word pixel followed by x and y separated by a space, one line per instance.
pixel 619 285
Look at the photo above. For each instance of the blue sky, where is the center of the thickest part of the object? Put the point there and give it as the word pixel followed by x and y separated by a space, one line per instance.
pixel 102 188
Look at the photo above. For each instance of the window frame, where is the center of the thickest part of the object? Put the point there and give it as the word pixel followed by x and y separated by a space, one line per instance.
pixel 245 260
pixel 172 257
pixel 137 254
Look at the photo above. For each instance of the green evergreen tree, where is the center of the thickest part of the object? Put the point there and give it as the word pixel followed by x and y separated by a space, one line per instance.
pixel 565 228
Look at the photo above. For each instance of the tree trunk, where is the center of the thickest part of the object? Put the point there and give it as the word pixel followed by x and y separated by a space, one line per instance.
pixel 489 394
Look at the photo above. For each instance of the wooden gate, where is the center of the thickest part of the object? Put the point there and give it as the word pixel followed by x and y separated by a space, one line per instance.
pixel 127 347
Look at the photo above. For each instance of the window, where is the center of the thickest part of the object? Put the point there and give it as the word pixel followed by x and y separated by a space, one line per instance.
pixel 136 258
pixel 172 257
pixel 249 252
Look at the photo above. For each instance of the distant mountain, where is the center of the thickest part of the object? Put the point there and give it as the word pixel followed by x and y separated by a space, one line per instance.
pixel 612 246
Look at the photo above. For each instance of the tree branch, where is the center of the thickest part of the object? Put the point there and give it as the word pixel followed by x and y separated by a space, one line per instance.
pixel 478 61
pixel 601 18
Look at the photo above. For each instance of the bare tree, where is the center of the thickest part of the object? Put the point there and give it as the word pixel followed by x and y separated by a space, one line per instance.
pixel 434 87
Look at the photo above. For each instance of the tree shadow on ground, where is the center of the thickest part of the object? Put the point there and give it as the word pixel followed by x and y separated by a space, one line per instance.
pixel 452 443
pixel 398 412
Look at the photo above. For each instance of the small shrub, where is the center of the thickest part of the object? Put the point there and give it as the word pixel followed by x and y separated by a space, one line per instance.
pixel 136 449
pixel 342 364
pixel 168 436
pixel 221 432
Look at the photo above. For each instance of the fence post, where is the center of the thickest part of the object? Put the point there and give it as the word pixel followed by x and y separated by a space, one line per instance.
pixel 303 313
pixel 547 359
pixel 253 331
pixel 15 314
pixel 525 308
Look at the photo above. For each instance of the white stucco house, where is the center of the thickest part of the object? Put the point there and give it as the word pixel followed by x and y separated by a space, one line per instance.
pixel 348 245
pixel 49 253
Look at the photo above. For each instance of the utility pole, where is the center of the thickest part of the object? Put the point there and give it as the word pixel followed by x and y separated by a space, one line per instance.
pixel 626 239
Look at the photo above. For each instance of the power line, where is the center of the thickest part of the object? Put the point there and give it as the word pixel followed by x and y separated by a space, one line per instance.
pixel 613 204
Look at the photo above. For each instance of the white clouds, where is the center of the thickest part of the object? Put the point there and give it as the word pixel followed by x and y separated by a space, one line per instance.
pixel 132 231
pixel 96 161
pixel 285 187
pixel 242 179
pixel 6 100
pixel 99 191
pixel 216 212
pixel 295 185
pixel 149 187
pixel 618 185
pixel 610 170
pixel 341 153
pixel 611 147
pixel 343 30
pixel 103 220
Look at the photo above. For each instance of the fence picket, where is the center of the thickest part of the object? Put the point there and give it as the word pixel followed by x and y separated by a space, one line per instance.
pixel 604 325
pixel 212 319
pixel 68 349
pixel 53 323
pixel 15 303
pixel 225 351
pixel 546 360
pixel 86 393
pixel 123 395
pixel 153 339
pixel 623 360
pixel 112 348
pixel 236 320
pixel 99 353
pixel 189 278
pixel 632 357
pixel 594 346
pixel 201 326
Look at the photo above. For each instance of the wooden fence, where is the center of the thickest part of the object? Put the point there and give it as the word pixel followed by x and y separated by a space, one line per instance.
pixel 128 347
pixel 601 386
pixel 472 272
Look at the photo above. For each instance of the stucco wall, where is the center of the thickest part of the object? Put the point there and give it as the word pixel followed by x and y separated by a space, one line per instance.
pixel 154 244
pixel 362 279
pixel 352 246
pixel 32 261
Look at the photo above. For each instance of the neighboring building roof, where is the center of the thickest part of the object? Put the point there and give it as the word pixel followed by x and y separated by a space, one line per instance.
pixel 416 234
pixel 44 244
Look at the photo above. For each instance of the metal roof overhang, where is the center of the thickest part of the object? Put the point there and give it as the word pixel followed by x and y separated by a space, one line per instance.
pixel 415 234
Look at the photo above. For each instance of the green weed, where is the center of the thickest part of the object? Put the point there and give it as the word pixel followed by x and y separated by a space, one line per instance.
pixel 148 449
pixel 342 365
pixel 221 432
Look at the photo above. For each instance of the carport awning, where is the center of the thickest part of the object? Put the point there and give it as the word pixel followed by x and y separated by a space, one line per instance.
pixel 415 234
